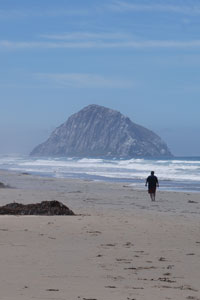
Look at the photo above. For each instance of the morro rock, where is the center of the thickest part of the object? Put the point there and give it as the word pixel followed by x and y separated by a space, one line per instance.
pixel 97 131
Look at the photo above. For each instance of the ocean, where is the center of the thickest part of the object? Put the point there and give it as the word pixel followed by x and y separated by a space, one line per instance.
pixel 177 174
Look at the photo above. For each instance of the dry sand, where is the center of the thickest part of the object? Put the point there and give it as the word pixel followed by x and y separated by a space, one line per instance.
pixel 120 246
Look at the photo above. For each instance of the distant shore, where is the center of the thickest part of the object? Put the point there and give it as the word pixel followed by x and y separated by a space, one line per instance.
pixel 119 246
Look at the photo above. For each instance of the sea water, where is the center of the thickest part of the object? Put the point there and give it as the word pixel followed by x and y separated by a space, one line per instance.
pixel 178 174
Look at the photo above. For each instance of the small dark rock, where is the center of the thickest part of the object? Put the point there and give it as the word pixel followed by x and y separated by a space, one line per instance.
pixel 191 201
pixel 2 185
pixel 162 259
pixel 48 208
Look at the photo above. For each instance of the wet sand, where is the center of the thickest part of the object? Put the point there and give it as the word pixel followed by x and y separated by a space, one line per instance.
pixel 119 246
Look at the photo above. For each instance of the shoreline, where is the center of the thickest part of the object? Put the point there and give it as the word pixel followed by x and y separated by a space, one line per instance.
pixel 137 184
pixel 119 246
pixel 87 194
pixel 179 174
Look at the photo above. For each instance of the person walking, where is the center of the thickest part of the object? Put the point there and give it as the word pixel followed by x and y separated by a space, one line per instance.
pixel 153 183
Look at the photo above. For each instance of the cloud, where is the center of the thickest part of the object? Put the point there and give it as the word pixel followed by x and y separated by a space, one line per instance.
pixel 100 44
pixel 87 36
pixel 112 6
pixel 122 6
pixel 83 80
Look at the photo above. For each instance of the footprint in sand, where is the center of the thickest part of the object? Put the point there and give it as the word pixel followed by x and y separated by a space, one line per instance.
pixel 99 255
pixel 170 267
pixel 141 268
pixel 128 245
pixel 94 233
pixel 107 246
pixel 162 259
pixel 182 287
pixel 124 260
pixel 115 278
pixel 165 279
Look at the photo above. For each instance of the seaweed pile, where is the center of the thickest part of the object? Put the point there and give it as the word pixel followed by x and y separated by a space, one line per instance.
pixel 46 208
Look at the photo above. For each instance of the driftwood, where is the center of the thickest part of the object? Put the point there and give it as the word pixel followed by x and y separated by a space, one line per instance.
pixel 48 208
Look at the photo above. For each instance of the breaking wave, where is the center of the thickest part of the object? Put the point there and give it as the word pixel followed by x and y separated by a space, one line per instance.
pixel 178 173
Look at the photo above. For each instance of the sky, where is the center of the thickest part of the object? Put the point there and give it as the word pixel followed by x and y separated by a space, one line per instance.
pixel 140 57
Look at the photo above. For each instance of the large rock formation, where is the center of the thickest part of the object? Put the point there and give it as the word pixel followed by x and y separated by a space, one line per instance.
pixel 97 131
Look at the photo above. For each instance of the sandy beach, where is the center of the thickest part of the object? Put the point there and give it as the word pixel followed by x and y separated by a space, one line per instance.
pixel 119 246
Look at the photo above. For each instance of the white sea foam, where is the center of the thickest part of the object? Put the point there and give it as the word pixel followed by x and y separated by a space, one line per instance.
pixel 176 170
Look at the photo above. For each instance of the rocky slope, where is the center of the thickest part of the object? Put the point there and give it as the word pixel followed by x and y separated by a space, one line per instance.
pixel 97 131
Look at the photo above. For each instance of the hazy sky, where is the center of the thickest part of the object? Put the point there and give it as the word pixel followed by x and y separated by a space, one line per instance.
pixel 139 57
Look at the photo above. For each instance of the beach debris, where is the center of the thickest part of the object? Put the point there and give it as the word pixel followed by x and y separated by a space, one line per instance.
pixel 182 287
pixel 128 244
pixel 170 267
pixel 108 245
pixel 162 259
pixel 48 208
pixel 124 260
pixel 191 201
pixel 95 233
pixel 140 268
pixel 3 186
pixel 166 279
pixel 89 298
